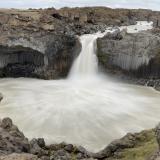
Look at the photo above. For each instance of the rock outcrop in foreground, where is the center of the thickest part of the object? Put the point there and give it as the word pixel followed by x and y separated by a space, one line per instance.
pixel 14 145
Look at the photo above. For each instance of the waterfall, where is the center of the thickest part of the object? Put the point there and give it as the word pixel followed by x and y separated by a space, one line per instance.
pixel 84 112
pixel 86 64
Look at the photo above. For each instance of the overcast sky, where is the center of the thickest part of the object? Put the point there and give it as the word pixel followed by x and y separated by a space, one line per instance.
pixel 149 4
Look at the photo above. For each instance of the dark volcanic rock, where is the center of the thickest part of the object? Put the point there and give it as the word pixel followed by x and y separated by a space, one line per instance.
pixel 46 56
pixel 13 145
pixel 35 44
pixel 11 139
pixel 135 55
pixel 1 97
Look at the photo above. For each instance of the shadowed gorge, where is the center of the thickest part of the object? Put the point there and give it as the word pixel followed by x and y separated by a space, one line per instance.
pixel 19 61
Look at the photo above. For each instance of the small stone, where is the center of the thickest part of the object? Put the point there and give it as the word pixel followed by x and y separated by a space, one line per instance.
pixel 80 156
pixel 69 148
pixel 61 152
pixel 6 123
pixel 82 150
pixel 41 142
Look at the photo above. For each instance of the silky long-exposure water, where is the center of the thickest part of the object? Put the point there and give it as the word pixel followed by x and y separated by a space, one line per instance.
pixel 86 109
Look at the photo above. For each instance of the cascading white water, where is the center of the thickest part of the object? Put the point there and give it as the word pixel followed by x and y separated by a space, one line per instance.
pixel 86 63
pixel 89 112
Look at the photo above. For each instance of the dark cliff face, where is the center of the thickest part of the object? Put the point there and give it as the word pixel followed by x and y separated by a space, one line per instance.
pixel 19 61
pixel 34 44
pixel 135 54
pixel 52 60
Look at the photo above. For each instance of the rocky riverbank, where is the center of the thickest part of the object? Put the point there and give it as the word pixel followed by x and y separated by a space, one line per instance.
pixel 14 145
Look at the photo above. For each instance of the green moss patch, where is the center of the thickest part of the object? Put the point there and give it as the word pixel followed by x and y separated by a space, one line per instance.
pixel 145 147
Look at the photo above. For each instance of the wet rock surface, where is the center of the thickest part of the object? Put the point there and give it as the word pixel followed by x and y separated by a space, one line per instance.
pixel 14 145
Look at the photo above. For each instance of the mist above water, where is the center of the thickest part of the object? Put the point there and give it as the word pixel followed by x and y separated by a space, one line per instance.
pixel 86 109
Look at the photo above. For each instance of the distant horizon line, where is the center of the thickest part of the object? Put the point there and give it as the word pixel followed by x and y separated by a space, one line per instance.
pixel 47 7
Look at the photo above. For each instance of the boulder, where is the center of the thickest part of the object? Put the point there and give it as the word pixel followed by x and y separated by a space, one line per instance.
pixel 12 140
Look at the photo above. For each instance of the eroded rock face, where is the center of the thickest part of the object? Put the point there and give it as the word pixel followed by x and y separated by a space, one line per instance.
pixel 134 54
pixel 35 44
pixel 46 56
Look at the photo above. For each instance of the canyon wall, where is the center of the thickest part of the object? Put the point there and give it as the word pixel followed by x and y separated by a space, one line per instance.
pixel 31 47
pixel 136 53
pixel 43 43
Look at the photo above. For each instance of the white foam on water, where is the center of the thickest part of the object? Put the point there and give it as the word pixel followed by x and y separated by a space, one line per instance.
pixel 86 109
pixel 140 26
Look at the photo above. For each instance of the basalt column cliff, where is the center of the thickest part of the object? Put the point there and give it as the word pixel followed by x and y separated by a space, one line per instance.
pixel 44 43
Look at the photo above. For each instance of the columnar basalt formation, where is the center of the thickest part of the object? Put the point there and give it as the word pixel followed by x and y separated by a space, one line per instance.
pixel 135 53
pixel 44 43
pixel 30 46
